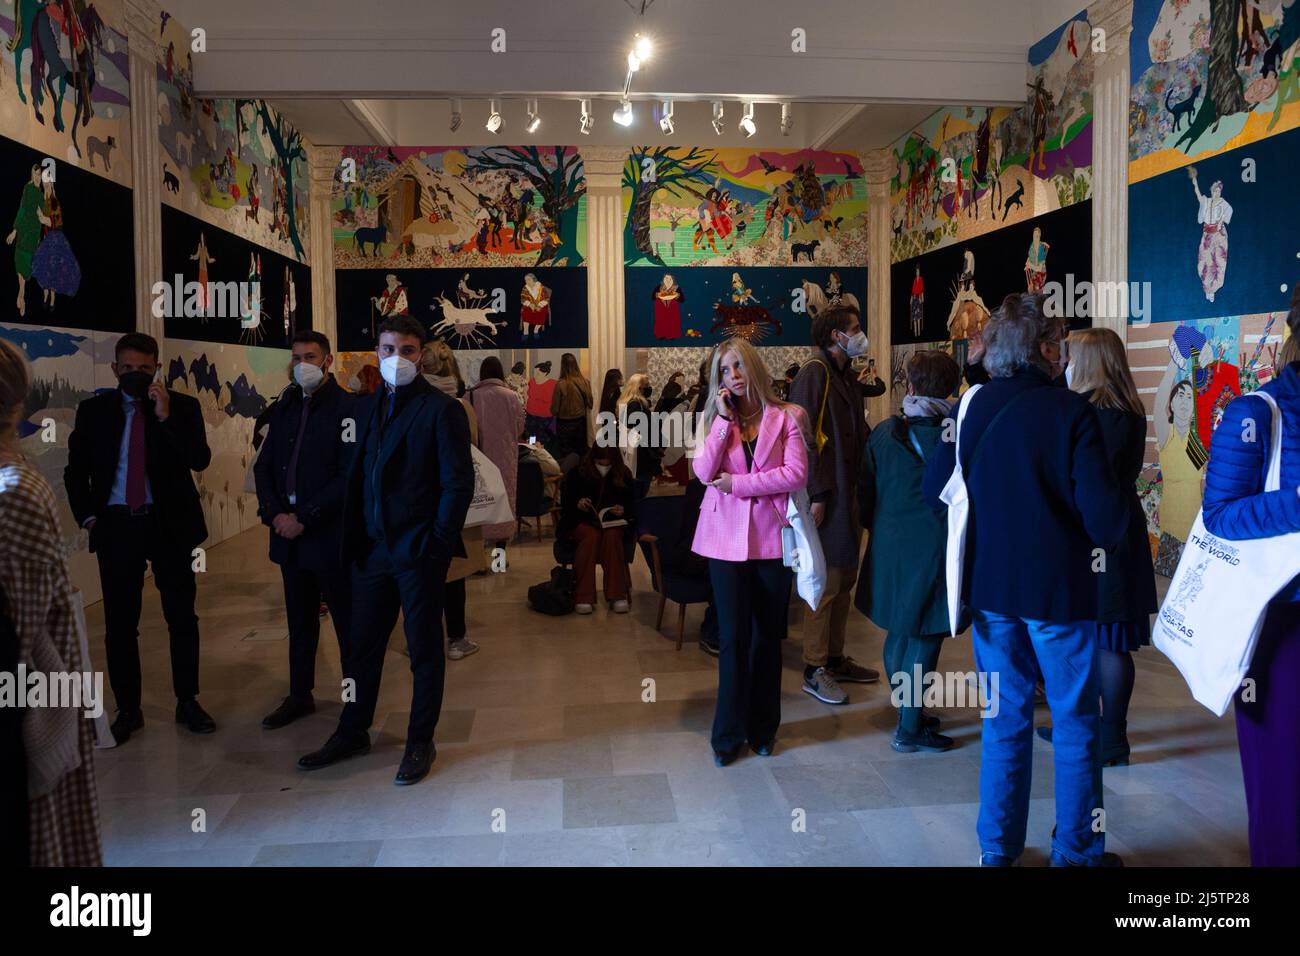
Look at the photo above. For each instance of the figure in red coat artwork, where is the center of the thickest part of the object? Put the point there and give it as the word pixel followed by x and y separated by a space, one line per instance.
pixel 668 299
pixel 534 307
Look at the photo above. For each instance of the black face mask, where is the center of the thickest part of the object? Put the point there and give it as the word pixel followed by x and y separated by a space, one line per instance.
pixel 135 384
pixel 646 391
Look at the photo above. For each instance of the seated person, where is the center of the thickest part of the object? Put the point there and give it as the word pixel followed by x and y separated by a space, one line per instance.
pixel 538 453
pixel 600 481
pixel 678 556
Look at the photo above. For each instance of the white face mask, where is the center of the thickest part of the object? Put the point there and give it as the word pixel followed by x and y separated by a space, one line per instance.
pixel 308 376
pixel 603 470
pixel 397 371
pixel 1069 375
pixel 856 344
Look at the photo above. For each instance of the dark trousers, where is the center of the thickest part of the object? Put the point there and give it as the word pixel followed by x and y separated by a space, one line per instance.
pixel 454 609
pixel 379 590
pixel 753 603
pixel 124 545
pixel 571 433
pixel 1268 736
pixel 915 656
pixel 303 591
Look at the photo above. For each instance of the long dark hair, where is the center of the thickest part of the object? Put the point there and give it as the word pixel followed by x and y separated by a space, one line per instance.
pixel 491 368
pixel 609 392
pixel 618 472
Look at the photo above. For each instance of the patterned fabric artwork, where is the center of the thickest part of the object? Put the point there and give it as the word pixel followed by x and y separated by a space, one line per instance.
pixel 81 49
pixel 969 170
pixel 1209 76
pixel 698 206
pixel 421 207
pixel 235 163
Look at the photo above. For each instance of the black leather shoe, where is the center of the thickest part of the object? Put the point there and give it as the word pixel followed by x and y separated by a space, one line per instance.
pixel 763 749
pixel 290 709
pixel 416 762
pixel 339 747
pixel 127 722
pixel 723 759
pixel 189 713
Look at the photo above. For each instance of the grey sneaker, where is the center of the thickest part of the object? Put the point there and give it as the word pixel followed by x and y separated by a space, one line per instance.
pixel 823 686
pixel 462 648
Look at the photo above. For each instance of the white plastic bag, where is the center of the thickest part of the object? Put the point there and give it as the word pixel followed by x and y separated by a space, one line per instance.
pixel 490 504
pixel 1218 598
pixel 955 496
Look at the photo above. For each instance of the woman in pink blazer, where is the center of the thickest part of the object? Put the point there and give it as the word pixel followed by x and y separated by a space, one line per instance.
pixel 750 452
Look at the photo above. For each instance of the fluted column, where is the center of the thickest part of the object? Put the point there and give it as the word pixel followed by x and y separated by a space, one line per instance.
pixel 1110 99
pixel 142 18
pixel 879 168
pixel 322 162
pixel 606 328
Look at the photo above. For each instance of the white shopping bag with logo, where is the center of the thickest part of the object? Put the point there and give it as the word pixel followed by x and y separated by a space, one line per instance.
pixel 1219 596
pixel 490 504
pixel 801 549
pixel 955 496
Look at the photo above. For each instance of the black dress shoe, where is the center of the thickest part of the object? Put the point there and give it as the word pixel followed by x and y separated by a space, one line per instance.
pixel 189 713
pixel 763 749
pixel 127 722
pixel 723 758
pixel 290 709
pixel 338 747
pixel 415 763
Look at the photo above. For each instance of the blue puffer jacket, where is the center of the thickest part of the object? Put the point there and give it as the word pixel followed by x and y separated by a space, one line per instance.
pixel 1235 505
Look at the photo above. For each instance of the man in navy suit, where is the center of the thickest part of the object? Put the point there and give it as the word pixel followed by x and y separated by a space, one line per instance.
pixel 407 492
pixel 129 482
pixel 300 471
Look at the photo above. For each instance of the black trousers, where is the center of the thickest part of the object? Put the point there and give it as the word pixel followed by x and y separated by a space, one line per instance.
pixel 303 591
pixel 571 434
pixel 454 609
pixel 124 545
pixel 753 603
pixel 380 589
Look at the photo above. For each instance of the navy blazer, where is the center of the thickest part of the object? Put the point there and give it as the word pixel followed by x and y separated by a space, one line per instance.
pixel 322 469
pixel 1043 497
pixel 173 449
pixel 424 471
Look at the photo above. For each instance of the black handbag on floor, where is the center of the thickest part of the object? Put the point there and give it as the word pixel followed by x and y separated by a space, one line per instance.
pixel 554 597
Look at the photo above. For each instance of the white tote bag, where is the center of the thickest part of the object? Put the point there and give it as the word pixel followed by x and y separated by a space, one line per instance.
pixel 1219 596
pixel 954 495
pixel 809 560
pixel 490 504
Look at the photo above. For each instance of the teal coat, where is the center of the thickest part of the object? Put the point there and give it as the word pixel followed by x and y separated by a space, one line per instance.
pixel 902 587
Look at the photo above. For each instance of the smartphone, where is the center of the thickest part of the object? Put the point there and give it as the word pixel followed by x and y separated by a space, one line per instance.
pixel 872 365
pixel 532 439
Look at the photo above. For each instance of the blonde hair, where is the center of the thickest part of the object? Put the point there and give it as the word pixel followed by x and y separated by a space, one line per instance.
pixel 758 381
pixel 1101 367
pixel 632 387
pixel 438 359
pixel 15 384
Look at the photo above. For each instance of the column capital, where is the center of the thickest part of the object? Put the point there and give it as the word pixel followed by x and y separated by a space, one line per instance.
pixel 879 166
pixel 1115 19
pixel 142 19
pixel 603 167
pixel 322 164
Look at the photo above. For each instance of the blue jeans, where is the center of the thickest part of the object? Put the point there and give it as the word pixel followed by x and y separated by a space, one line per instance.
pixel 1015 650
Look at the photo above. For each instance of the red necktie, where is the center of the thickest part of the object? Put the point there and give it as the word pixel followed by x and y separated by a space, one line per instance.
pixel 135 459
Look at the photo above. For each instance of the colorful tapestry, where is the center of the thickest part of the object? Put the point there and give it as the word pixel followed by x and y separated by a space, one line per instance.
pixel 699 206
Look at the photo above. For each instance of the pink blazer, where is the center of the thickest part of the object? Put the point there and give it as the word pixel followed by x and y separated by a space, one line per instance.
pixel 747 523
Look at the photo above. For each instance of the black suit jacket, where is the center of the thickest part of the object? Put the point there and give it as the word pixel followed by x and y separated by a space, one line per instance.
pixel 424 473
pixel 322 472
pixel 173 449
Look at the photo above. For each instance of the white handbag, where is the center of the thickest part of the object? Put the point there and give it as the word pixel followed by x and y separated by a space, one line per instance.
pixel 1219 596
pixel 955 496
pixel 490 504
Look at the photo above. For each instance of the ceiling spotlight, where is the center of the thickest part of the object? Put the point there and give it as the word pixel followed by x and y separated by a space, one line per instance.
pixel 787 121
pixel 534 120
pixel 747 121
pixel 717 117
pixel 639 53
pixel 494 117
pixel 455 115
pixel 623 115
pixel 585 122
pixel 666 120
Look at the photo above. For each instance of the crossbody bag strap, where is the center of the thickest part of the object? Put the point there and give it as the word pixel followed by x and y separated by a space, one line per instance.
pixel 988 428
